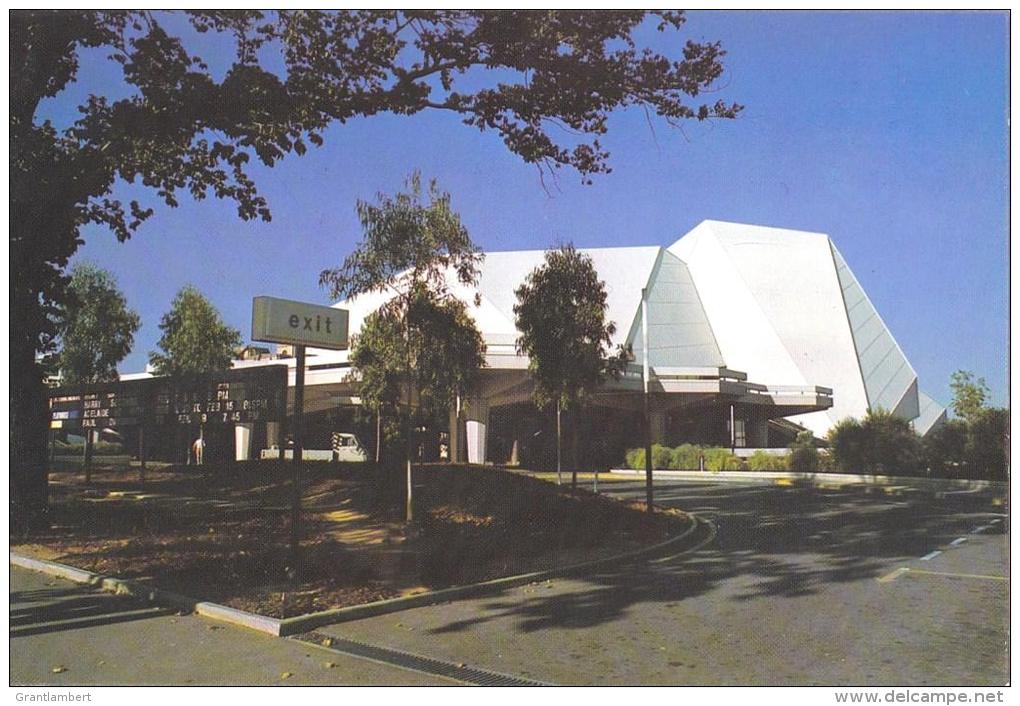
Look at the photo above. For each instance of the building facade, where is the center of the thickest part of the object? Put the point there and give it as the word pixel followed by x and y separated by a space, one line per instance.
pixel 753 334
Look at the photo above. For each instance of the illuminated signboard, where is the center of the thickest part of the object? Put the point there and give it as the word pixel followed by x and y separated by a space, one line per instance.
pixel 235 396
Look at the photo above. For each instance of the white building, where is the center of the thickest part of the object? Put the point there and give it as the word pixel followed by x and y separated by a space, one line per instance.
pixel 764 326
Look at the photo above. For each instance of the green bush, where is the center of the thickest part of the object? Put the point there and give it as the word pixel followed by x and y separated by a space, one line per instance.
pixel 99 448
pixel 879 444
pixel 686 457
pixel 763 461
pixel 945 449
pixel 803 454
pixel 661 456
pixel 720 459
pixel 636 459
pixel 826 463
pixel 987 444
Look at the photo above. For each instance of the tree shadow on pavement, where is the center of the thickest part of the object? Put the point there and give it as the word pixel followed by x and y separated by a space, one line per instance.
pixel 788 542
pixel 45 611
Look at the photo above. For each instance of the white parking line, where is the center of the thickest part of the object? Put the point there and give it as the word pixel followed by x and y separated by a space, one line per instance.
pixel 958 541
pixel 931 555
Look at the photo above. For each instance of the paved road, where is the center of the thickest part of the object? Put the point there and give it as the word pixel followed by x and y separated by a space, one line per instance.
pixel 800 587
pixel 102 639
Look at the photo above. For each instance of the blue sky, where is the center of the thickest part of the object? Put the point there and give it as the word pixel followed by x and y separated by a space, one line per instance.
pixel 888 131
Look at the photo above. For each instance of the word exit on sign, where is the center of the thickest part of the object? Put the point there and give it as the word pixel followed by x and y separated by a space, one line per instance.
pixel 285 321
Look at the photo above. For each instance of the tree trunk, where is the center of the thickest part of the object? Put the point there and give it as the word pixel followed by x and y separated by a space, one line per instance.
pixel 29 501
pixel 575 421
pixel 559 444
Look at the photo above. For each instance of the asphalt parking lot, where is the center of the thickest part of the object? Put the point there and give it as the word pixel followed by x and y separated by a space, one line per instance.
pixel 788 593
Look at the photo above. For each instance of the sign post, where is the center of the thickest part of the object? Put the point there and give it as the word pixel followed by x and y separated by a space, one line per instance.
pixel 295 505
pixel 283 321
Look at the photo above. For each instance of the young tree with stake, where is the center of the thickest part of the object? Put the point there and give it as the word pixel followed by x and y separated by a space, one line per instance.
pixel 561 315
pixel 421 348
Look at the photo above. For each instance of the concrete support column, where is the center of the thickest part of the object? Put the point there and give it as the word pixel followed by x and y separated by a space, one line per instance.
pixel 242 441
pixel 273 434
pixel 455 435
pixel 476 430
pixel 658 427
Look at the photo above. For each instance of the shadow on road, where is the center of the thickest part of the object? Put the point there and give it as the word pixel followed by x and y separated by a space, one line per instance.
pixel 786 542
pixel 42 611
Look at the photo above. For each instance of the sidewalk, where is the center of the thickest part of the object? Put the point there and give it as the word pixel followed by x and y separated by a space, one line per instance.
pixel 95 638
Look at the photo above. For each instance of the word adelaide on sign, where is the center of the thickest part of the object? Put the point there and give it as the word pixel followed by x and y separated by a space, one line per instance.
pixel 232 396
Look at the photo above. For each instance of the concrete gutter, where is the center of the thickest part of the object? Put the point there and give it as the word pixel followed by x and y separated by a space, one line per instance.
pixel 827 478
pixel 290 626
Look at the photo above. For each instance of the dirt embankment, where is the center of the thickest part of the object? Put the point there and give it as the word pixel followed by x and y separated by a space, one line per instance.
pixel 225 535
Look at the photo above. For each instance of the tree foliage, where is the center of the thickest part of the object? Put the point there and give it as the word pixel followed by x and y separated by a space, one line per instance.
pixel 413 247
pixel 95 326
pixel 945 448
pixel 445 351
pixel 987 448
pixel 545 82
pixel 879 444
pixel 182 128
pixel 970 396
pixel 561 316
pixel 195 339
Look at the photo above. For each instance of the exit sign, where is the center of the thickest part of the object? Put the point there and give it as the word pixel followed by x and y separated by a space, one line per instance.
pixel 285 321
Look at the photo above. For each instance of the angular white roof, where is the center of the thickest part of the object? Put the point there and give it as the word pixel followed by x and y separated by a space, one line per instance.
pixel 787 310
pixel 780 305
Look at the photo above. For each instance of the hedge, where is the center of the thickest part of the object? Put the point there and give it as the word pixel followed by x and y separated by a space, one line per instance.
pixel 684 458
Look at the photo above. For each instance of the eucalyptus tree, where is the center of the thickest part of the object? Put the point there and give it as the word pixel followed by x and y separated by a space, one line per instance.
pixel 95 327
pixel 561 316
pixel 421 348
pixel 195 338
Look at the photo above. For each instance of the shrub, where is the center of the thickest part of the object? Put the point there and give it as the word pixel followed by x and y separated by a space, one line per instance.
pixel 945 449
pixel 826 463
pixel 686 457
pixel 719 459
pixel 636 459
pixel 803 454
pixel 661 456
pixel 879 444
pixel 987 443
pixel 99 448
pixel 763 461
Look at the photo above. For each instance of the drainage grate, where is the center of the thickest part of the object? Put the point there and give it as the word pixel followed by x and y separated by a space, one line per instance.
pixel 417 663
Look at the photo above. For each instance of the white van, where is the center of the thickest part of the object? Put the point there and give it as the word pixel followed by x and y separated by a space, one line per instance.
pixel 346 448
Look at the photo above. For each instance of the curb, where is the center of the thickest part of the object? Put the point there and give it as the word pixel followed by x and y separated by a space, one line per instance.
pixel 137 589
pixel 303 623
pixel 281 627
pixel 821 477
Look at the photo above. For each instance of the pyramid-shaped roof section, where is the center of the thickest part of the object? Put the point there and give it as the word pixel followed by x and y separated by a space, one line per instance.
pixel 787 309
